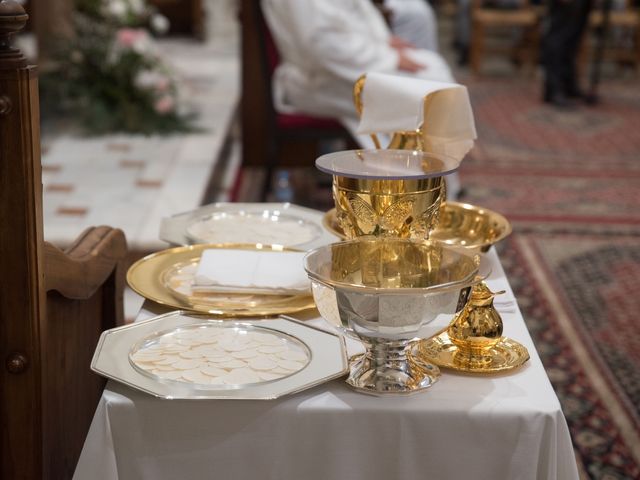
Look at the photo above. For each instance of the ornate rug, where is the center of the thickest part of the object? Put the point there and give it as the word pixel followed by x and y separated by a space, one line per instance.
pixel 569 181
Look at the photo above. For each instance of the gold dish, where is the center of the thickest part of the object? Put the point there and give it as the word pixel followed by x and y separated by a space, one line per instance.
pixel 461 225
pixel 503 356
pixel 151 278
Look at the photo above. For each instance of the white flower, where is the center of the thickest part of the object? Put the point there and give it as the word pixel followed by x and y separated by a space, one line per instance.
pixel 159 23
pixel 117 8
pixel 137 6
pixel 152 80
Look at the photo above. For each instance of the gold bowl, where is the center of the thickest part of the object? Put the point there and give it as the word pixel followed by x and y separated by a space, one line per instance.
pixel 461 225
pixel 385 291
pixel 469 226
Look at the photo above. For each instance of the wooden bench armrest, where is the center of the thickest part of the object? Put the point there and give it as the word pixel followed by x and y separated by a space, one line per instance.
pixel 79 271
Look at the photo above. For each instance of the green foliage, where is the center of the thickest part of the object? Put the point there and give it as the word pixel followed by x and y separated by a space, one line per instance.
pixel 109 79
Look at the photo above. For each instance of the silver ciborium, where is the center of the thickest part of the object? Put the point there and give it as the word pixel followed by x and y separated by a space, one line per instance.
pixel 385 291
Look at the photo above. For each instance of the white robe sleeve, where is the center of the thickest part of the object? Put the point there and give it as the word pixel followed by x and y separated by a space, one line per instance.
pixel 341 40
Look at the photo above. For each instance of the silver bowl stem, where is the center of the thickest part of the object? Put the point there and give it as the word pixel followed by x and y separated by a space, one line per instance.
pixel 388 367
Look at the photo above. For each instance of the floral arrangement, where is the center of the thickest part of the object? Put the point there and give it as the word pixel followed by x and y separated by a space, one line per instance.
pixel 109 76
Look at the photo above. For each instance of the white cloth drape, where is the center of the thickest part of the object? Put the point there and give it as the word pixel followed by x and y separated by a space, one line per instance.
pixel 501 427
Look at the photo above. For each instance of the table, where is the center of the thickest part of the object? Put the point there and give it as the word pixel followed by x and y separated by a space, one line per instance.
pixel 499 427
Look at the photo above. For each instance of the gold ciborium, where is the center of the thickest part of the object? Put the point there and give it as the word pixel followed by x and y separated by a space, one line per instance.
pixel 396 193
pixel 473 341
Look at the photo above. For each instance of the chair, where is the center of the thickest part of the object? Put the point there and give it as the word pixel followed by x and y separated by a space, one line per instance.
pixel 53 304
pixel 623 36
pixel 486 18
pixel 271 139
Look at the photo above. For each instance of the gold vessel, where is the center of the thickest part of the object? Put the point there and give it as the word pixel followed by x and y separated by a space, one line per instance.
pixel 478 327
pixel 390 207
pixel 473 342
pixel 464 225
pixel 398 208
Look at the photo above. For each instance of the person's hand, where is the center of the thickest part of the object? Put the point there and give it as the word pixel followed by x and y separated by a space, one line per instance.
pixel 399 43
pixel 407 65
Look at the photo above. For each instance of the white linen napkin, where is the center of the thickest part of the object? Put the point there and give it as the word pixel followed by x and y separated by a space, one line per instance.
pixel 242 271
pixel 394 103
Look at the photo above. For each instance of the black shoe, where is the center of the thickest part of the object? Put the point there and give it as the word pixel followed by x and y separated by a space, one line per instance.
pixel 463 56
pixel 575 93
pixel 557 99
pixel 561 101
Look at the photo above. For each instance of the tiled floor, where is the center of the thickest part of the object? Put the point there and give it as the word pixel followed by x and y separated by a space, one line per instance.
pixel 131 182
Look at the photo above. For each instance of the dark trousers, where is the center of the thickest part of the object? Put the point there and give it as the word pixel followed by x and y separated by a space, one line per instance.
pixel 565 25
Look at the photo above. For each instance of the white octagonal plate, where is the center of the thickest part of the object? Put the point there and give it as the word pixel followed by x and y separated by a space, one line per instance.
pixel 182 355
pixel 267 223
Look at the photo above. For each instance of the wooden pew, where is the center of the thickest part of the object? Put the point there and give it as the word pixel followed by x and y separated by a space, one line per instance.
pixel 53 304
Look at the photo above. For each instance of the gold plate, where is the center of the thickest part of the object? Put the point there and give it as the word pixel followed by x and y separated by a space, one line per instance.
pixel 461 225
pixel 506 355
pixel 151 275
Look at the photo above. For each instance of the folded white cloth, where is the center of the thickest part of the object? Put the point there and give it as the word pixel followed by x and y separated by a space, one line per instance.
pixel 394 103
pixel 267 272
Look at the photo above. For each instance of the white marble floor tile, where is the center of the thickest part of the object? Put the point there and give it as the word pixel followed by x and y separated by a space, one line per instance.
pixel 132 181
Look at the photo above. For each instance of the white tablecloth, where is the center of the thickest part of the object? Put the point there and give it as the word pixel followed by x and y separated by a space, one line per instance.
pixel 500 427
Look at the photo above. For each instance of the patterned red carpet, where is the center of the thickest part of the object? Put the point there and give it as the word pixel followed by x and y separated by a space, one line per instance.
pixel 570 183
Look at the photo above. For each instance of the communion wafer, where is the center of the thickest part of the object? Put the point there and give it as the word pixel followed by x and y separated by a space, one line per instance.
pixel 196 376
pixel 212 371
pixel 187 364
pixel 243 354
pixel 262 363
pixel 292 355
pixel 170 375
pixel 290 365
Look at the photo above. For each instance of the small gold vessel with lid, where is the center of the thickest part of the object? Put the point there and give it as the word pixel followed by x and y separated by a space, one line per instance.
pixel 473 342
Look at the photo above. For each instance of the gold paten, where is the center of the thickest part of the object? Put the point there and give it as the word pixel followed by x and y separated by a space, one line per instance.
pixel 157 278
pixel 460 225
pixel 473 342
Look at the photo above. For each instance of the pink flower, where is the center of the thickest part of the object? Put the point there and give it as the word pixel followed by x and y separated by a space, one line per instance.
pixel 164 104
pixel 136 39
pixel 127 37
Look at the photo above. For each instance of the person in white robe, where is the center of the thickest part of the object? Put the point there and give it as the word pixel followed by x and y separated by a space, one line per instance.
pixel 326 45
pixel 415 22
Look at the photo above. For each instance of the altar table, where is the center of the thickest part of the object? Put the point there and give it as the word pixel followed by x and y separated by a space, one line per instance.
pixel 487 428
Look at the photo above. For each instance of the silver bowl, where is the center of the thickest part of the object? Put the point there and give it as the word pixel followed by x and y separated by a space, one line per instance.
pixel 385 291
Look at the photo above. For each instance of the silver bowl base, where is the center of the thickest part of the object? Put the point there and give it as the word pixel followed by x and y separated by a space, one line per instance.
pixel 388 368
